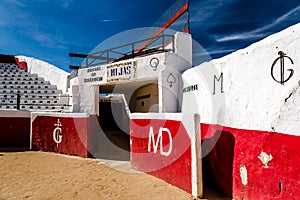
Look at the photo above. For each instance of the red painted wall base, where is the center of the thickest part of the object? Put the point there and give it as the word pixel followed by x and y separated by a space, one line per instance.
pixel 174 168
pixel 15 132
pixel 70 138
pixel 236 148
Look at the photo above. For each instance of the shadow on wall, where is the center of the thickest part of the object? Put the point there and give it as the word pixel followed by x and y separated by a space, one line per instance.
pixel 15 133
pixel 218 164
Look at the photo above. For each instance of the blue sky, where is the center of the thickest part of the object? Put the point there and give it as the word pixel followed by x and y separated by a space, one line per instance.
pixel 49 30
pixel 223 26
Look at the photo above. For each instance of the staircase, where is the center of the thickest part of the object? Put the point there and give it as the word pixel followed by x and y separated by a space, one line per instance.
pixel 34 92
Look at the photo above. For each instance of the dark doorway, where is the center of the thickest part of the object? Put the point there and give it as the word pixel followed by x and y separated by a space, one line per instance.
pixel 111 140
pixel 218 163
pixel 116 101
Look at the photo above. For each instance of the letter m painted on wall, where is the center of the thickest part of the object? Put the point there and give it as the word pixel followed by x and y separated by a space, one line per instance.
pixel 159 141
pixel 220 79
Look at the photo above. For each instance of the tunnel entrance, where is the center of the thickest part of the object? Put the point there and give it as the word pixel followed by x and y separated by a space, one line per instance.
pixel 113 135
pixel 116 102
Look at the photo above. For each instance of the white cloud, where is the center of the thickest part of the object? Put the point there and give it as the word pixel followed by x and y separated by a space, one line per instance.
pixel 241 36
pixel 221 51
pixel 205 53
pixel 48 40
pixel 204 10
pixel 109 20
pixel 286 16
pixel 105 20
pixel 262 31
pixel 17 2
pixel 25 25
pixel 66 4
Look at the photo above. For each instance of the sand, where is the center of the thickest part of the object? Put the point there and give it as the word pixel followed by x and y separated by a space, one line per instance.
pixel 40 175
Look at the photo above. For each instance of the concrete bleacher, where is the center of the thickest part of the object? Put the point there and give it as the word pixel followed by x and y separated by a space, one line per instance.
pixel 35 93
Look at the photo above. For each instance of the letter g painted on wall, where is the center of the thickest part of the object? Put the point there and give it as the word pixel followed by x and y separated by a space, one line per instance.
pixel 57 137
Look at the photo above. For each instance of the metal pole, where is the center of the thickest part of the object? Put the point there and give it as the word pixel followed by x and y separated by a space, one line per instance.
pixel 188 18
pixel 18 101
pixel 132 50
pixel 163 42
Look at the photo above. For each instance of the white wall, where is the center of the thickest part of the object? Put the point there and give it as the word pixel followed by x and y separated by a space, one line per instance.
pixel 89 99
pixel 74 95
pixel 180 61
pixel 170 90
pixel 49 72
pixel 183 47
pixel 251 98
pixel 198 94
pixel 152 67
pixel 289 116
pixel 14 113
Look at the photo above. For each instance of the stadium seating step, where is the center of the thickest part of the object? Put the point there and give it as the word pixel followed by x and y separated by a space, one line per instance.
pixel 35 93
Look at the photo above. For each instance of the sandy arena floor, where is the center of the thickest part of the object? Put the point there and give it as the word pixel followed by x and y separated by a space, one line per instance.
pixel 38 175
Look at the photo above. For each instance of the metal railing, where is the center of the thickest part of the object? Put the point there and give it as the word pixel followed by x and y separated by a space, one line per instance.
pixel 158 44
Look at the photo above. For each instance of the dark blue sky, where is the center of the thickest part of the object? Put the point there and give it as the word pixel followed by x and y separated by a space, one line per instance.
pixel 223 26
pixel 48 30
